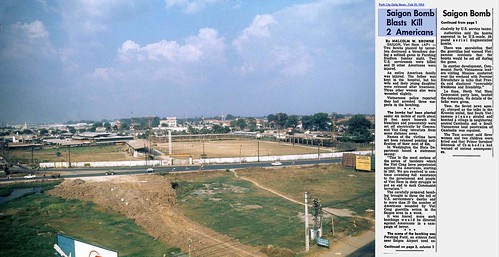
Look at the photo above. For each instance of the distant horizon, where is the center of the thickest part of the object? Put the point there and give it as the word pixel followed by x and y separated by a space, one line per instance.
pixel 161 117
pixel 73 60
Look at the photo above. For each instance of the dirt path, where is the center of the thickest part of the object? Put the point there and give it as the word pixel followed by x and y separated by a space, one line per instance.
pixel 150 201
pixel 267 189
pixel 343 246
pixel 333 211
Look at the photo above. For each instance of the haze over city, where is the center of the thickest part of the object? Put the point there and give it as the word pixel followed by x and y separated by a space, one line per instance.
pixel 75 60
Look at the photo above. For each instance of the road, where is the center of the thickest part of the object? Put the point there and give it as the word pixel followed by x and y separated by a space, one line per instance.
pixel 90 172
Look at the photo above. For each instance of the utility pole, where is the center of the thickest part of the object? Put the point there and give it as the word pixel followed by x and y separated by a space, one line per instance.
pixel 332 224
pixel 258 149
pixel 318 150
pixel 32 159
pixel 170 152
pixel 145 154
pixel 204 154
pixel 150 138
pixel 69 154
pixel 307 238
pixel 316 218
pixel 189 241
pixel 320 218
pixel 333 129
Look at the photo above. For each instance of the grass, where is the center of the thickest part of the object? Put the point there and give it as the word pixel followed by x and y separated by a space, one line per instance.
pixel 30 225
pixel 257 217
pixel 336 186
pixel 253 216
pixel 78 154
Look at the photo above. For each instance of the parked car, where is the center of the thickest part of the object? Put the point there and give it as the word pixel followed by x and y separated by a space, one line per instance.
pixel 150 170
pixel 276 163
pixel 30 176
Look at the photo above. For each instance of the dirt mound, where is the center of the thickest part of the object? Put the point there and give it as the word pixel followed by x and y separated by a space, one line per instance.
pixel 150 201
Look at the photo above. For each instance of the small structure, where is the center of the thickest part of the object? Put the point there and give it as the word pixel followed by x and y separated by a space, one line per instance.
pixel 138 147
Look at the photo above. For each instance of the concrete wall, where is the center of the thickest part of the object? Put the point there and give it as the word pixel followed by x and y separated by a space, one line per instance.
pixel 273 158
pixel 104 164
pixel 191 161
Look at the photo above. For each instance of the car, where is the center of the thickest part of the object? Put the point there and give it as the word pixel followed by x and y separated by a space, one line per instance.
pixel 30 176
pixel 110 172
pixel 150 170
pixel 276 163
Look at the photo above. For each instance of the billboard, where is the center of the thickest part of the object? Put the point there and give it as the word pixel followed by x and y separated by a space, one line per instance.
pixel 74 248
pixel 363 162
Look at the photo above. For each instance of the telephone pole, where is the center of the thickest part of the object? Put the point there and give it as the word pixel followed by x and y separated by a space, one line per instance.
pixel 307 237
pixel 150 138
pixel 258 149
pixel 69 155
pixel 189 240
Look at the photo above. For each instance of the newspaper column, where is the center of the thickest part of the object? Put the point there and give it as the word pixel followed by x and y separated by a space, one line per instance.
pixel 407 84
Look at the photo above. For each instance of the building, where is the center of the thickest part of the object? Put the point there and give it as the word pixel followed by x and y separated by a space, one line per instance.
pixel 102 137
pixel 170 122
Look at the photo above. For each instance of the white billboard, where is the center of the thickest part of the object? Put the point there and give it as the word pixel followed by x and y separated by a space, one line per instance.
pixel 74 248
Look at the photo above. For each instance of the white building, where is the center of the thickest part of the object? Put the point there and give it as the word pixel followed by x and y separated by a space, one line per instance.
pixel 170 122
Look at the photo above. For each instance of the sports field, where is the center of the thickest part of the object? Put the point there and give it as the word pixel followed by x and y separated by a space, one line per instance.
pixel 237 148
pixel 180 149
pixel 78 154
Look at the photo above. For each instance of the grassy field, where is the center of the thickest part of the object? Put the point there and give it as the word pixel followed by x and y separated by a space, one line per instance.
pixel 30 225
pixel 237 148
pixel 257 217
pixel 78 154
pixel 336 186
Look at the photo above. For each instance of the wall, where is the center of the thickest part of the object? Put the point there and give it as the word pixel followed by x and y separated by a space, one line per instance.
pixel 195 161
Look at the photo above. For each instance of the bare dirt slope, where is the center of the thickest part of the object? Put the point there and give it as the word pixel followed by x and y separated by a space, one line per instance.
pixel 150 201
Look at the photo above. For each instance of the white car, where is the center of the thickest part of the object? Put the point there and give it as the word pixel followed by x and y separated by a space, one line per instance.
pixel 29 176
pixel 150 170
pixel 276 163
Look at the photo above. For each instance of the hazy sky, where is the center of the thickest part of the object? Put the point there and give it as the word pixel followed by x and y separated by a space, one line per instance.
pixel 72 60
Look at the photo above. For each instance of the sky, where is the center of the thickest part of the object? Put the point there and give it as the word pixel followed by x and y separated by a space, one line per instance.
pixel 93 60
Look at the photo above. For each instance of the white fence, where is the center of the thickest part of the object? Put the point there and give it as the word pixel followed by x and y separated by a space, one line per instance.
pixel 195 161
pixel 104 164
pixel 273 158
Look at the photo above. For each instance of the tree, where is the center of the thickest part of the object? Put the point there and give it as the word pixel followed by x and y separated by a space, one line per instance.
pixel 321 121
pixel 43 132
pixel 107 125
pixel 192 130
pixel 71 130
pixel 219 129
pixel 26 132
pixel 292 121
pixel 271 118
pixel 358 129
pixel 125 124
pixel 241 123
pixel 252 124
pixel 281 119
pixel 155 121
pixel 307 122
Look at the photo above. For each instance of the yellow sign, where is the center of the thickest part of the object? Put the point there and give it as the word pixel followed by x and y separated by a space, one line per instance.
pixel 363 162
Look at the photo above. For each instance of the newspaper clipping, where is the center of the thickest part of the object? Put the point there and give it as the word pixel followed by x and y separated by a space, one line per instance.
pixel 436 80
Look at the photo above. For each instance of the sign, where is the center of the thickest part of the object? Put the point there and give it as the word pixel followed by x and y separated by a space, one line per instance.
pixel 323 242
pixel 363 162
pixel 80 249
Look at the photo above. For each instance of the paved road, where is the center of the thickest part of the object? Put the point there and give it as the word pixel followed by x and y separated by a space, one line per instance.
pixel 89 172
